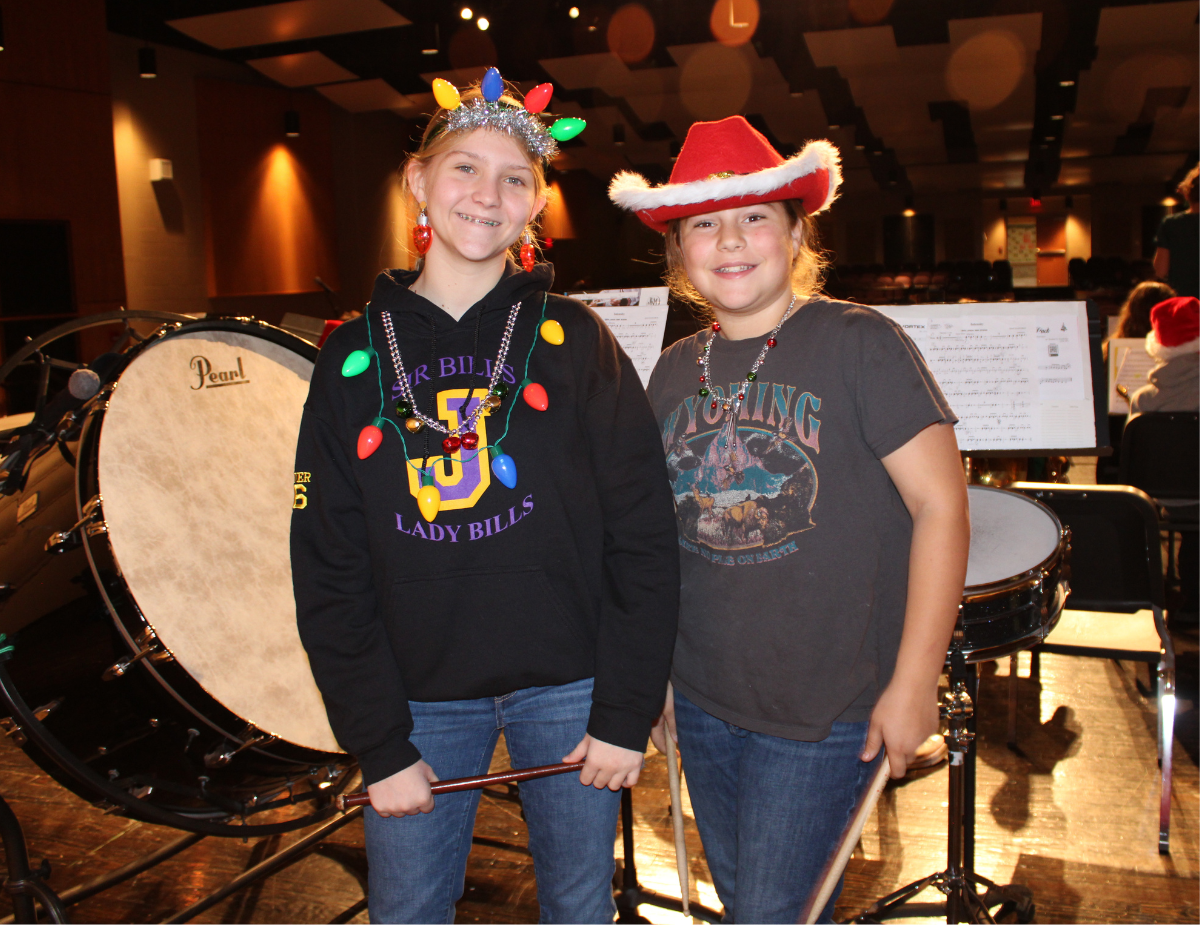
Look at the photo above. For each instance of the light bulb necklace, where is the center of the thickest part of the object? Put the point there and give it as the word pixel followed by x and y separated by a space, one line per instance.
pixel 735 399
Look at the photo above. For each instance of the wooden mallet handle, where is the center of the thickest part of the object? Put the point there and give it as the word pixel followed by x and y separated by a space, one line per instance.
pixel 347 801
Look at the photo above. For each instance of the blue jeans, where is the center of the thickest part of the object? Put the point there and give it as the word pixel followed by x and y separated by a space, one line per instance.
pixel 770 810
pixel 418 863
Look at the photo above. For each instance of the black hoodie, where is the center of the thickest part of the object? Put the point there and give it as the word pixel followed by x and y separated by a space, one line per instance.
pixel 573 574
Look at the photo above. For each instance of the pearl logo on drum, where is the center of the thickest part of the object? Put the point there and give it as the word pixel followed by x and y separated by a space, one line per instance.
pixel 208 378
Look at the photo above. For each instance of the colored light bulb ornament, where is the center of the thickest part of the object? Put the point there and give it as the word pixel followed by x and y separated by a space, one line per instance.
pixel 503 467
pixel 370 438
pixel 422 233
pixel 429 499
pixel 567 128
pixel 446 94
pixel 357 362
pixel 528 257
pixel 537 99
pixel 492 85
pixel 534 395
pixel 552 332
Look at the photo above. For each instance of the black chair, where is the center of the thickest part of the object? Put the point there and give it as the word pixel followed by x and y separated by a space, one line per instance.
pixel 1116 602
pixel 1160 454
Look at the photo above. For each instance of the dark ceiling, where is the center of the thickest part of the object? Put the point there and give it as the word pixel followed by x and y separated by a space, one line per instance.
pixel 928 95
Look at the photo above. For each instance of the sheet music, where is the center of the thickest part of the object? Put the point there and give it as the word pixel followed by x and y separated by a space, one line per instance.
pixel 1128 364
pixel 1016 374
pixel 637 318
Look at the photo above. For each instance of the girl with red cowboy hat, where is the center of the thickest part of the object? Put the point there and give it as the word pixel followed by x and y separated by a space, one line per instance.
pixel 822 513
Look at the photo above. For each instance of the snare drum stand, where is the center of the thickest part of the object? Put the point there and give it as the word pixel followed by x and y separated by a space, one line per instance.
pixel 958 881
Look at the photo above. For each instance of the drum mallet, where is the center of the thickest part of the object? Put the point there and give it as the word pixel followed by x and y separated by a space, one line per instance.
pixel 681 860
pixel 349 801
pixel 837 864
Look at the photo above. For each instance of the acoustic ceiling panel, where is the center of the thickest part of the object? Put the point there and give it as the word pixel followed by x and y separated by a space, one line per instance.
pixel 368 96
pixel 288 22
pixel 301 70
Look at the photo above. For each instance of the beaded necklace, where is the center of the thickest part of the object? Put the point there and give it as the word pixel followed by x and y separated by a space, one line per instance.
pixel 407 407
pixel 706 376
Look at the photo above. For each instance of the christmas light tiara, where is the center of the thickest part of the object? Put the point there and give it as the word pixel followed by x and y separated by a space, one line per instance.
pixel 492 112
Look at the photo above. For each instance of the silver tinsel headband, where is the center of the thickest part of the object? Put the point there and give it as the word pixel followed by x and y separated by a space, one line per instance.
pixel 515 121
pixel 493 112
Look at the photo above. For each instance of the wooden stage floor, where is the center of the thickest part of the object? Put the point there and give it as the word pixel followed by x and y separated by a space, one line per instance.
pixel 1073 819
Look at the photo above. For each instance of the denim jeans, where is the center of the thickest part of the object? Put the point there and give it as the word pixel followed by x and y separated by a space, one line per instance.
pixel 770 810
pixel 418 863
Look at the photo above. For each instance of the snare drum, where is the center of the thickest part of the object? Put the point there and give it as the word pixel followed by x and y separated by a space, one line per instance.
pixel 156 665
pixel 1016 574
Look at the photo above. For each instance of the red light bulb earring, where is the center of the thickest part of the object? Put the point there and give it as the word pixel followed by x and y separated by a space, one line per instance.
pixel 528 258
pixel 422 233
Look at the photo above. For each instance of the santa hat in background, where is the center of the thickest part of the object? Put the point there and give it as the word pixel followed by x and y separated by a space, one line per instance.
pixel 1175 323
pixel 727 164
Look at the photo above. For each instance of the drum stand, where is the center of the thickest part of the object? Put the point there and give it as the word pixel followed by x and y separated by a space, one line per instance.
pixel 958 881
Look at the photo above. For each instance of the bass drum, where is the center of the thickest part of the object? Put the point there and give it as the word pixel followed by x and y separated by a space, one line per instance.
pixel 1017 574
pixel 154 665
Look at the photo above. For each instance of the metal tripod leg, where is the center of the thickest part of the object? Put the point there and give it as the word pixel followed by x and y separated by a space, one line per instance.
pixel 958 881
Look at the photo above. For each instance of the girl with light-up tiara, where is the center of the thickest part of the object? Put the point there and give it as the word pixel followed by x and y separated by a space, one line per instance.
pixel 485 541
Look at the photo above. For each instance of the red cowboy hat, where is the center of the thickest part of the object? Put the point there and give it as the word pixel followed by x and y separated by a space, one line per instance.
pixel 727 164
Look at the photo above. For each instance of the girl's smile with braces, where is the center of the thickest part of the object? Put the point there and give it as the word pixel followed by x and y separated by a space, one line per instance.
pixel 477 221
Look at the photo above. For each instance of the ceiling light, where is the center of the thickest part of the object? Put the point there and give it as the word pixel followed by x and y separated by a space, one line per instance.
pixel 859 147
pixel 618 133
pixel 291 123
pixel 908 213
pixel 573 12
pixel 482 23
pixel 833 127
pixel 466 13
pixel 147 62
pixel 1169 202
pixel 1049 138
pixel 1066 83
pixel 1057 117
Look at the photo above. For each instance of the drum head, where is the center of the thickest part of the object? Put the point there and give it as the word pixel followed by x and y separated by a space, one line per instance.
pixel 1010 534
pixel 195 469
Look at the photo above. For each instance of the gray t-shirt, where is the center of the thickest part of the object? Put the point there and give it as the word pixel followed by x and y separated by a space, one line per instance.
pixel 793 540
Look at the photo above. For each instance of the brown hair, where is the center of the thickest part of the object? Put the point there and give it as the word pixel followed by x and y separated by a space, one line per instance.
pixel 808 263
pixel 436 140
pixel 1134 320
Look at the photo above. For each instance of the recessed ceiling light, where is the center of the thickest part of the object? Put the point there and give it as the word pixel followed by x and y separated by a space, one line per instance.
pixel 908 213
pixel 833 127
pixel 1049 138
pixel 1066 83
pixel 859 147
pixel 1057 117
pixel 482 23
pixel 573 12
pixel 466 13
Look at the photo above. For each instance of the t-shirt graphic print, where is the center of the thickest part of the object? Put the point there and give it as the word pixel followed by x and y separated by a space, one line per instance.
pixel 747 483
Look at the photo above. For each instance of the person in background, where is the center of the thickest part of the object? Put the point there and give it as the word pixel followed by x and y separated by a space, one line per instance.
pixel 1177 259
pixel 1174 343
pixel 1134 318
pixel 1174 385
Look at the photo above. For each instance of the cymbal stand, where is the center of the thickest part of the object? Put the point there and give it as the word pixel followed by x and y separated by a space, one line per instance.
pixel 958 882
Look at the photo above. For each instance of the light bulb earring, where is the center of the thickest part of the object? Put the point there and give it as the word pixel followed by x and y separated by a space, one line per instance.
pixel 528 258
pixel 422 233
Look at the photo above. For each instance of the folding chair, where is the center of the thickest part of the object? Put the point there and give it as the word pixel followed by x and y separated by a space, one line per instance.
pixel 1160 454
pixel 1116 602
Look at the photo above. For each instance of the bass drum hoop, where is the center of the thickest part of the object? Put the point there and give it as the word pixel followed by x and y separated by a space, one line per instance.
pixel 1053 566
pixel 147 812
pixel 130 622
